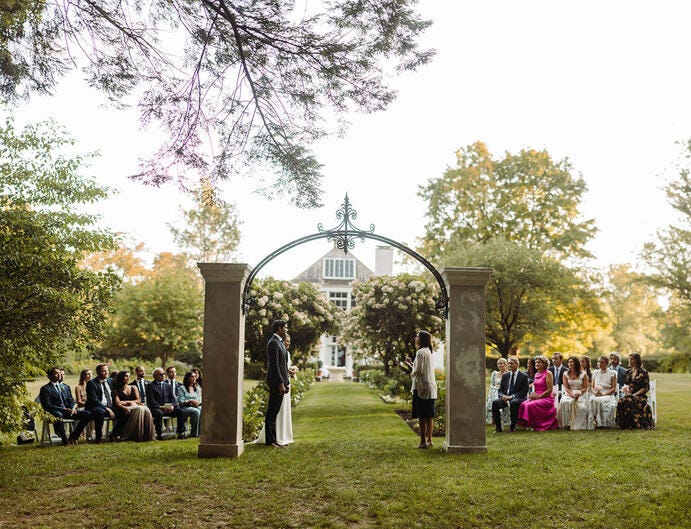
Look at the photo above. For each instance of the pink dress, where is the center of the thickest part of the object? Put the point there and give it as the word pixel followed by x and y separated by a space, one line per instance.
pixel 539 414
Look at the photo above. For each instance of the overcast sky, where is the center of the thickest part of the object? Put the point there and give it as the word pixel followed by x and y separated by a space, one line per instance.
pixel 606 84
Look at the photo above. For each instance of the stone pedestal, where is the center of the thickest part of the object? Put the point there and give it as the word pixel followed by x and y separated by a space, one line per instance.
pixel 223 362
pixel 465 360
pixel 336 374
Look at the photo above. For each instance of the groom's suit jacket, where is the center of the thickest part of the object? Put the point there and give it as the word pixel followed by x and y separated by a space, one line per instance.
pixel 520 385
pixel 276 364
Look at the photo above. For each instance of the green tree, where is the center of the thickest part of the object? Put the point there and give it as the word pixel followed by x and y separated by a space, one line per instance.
pixel 48 304
pixel 635 312
pixel 525 197
pixel 160 316
pixel 531 298
pixel 263 77
pixel 211 231
pixel 307 310
pixel 670 257
pixel 389 312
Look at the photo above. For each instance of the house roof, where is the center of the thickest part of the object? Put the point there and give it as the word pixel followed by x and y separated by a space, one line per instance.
pixel 314 273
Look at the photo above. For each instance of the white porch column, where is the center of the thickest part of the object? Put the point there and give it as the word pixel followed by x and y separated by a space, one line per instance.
pixel 224 359
pixel 465 359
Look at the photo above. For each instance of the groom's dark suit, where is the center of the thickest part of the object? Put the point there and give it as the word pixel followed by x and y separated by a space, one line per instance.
pixel 276 374
pixel 519 392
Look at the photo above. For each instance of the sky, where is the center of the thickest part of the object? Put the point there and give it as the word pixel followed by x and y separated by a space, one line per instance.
pixel 605 84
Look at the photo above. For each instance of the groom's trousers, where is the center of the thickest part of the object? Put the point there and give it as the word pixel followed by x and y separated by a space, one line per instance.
pixel 275 401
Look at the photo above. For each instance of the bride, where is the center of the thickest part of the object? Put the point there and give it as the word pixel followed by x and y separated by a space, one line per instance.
pixel 284 419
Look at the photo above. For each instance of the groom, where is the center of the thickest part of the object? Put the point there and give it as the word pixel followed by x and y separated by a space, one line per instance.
pixel 276 378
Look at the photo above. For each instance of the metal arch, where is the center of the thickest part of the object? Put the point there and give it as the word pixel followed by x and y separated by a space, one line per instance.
pixel 344 234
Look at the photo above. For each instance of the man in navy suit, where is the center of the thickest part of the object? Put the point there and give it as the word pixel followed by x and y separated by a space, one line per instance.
pixel 614 365
pixel 276 378
pixel 512 391
pixel 161 401
pixel 140 383
pixel 558 370
pixel 100 402
pixel 56 399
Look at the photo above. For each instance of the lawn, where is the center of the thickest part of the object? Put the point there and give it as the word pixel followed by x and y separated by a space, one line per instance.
pixel 353 465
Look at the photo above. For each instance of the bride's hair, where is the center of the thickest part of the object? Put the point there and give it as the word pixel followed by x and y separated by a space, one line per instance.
pixel 425 339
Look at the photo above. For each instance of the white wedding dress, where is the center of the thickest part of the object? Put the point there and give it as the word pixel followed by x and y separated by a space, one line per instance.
pixel 284 422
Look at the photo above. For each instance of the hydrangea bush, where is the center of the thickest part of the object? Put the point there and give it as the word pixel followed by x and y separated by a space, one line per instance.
pixel 389 311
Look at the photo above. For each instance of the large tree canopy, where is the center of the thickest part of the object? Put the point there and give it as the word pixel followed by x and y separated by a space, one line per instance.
pixel 256 76
pixel 531 298
pixel 525 197
pixel 48 304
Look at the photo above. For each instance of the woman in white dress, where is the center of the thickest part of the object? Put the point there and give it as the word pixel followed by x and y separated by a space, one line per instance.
pixel 603 402
pixel 573 408
pixel 284 419
pixel 494 383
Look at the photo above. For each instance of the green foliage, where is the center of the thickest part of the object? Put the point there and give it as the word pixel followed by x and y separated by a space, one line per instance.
pixel 159 316
pixel 211 231
pixel 635 312
pixel 526 198
pixel 261 77
pixel 676 363
pixel 307 310
pixel 389 312
pixel 48 304
pixel 530 297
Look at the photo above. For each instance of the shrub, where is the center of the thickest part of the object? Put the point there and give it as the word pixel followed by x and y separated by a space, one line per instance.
pixel 675 363
pixel 254 371
pixel 374 378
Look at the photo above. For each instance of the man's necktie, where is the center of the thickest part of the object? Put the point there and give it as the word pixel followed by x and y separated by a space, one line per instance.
pixel 62 400
pixel 142 391
pixel 107 394
pixel 511 384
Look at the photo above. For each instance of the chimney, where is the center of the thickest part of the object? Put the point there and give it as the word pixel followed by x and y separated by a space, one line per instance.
pixel 383 261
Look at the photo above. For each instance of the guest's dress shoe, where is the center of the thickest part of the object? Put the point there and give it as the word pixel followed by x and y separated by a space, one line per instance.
pixel 159 438
pixel 182 435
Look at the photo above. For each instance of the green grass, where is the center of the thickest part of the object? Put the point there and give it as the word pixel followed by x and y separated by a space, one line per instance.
pixel 353 465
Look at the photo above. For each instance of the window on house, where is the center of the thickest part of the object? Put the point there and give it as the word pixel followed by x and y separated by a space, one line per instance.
pixel 340 299
pixel 338 268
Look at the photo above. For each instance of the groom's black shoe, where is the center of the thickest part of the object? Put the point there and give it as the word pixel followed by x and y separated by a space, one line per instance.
pixel 277 445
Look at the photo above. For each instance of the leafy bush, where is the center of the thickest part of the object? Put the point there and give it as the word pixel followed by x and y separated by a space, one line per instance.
pixel 440 410
pixel 398 386
pixel 676 363
pixel 374 378
pixel 254 371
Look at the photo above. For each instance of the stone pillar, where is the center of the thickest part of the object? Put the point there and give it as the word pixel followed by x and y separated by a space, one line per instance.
pixel 465 360
pixel 224 359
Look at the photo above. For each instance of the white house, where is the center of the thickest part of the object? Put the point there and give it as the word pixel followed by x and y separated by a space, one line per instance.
pixel 334 274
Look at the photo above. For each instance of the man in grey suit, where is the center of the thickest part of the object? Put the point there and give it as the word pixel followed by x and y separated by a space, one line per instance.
pixel 614 365
pixel 276 378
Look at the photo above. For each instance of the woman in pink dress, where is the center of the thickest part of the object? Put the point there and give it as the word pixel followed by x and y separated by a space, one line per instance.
pixel 538 412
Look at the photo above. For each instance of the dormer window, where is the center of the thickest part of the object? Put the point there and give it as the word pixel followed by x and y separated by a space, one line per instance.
pixel 339 268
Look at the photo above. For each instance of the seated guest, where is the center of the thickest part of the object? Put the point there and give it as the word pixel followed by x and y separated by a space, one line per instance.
pixel 190 398
pixel 538 412
pixel 198 372
pixel 141 383
pixel 56 399
pixel 99 401
pixel 633 410
pixel 530 370
pixel 161 401
pixel 614 365
pixel 512 391
pixel 80 399
pixel 573 410
pixel 138 422
pixel 603 402
pixel 494 383
pixel 557 370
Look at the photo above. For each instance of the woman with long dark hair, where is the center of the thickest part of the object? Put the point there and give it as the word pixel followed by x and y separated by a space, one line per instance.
pixel 190 396
pixel 633 410
pixel 573 411
pixel 140 423
pixel 424 387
